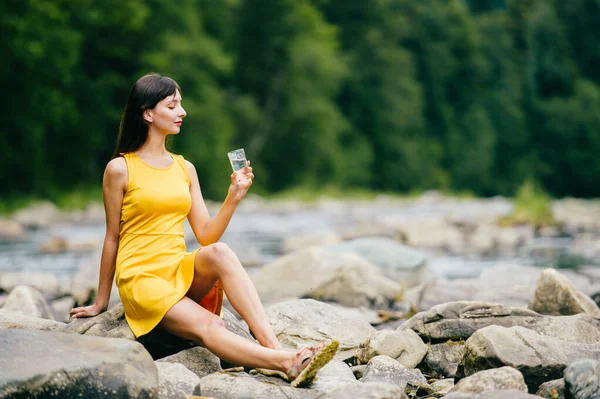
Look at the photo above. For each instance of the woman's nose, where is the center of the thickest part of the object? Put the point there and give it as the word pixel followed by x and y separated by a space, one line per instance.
pixel 182 113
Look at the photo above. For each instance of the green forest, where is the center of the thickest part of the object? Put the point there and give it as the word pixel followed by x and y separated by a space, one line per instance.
pixel 393 96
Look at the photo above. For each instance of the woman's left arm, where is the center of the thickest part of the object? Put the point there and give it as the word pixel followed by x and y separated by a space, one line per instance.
pixel 209 231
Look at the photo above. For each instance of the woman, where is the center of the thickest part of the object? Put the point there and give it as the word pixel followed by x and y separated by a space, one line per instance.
pixel 148 192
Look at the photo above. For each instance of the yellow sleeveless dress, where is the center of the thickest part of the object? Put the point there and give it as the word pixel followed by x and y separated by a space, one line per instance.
pixel 153 269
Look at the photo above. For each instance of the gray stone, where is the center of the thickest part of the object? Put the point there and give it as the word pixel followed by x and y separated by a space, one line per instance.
pixel 198 360
pixel 554 389
pixel 44 364
pixel 12 231
pixel 556 295
pixel 358 284
pixel 385 369
pixel 332 376
pixel 442 360
pixel 366 390
pixel 309 322
pixel 538 357
pixel 110 324
pixel 398 262
pixel 84 283
pixel 496 394
pixel 28 301
pixel 44 282
pixel 459 320
pixel 439 291
pixel 243 386
pixel 404 346
pixel 11 320
pixel 490 380
pixel 175 380
pixel 582 379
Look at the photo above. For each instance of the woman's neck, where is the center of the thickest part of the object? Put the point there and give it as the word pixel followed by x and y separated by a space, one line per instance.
pixel 155 144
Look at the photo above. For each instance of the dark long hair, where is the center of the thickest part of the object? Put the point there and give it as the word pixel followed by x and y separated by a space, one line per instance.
pixel 145 94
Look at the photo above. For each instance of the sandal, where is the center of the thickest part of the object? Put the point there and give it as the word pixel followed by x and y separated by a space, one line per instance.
pixel 309 362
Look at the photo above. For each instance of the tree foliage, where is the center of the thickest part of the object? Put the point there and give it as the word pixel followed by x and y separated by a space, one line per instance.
pixel 393 95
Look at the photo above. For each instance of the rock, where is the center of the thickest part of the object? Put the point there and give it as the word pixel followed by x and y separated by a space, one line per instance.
pixel 61 308
pixel 11 320
pixel 509 285
pixel 496 394
pixel 385 369
pixel 459 320
pixel 28 301
pixel 299 242
pixel 582 379
pixel 539 358
pixel 366 390
pixel 332 376
pixel 54 245
pixel 442 387
pixel 359 284
pixel 398 262
pixel 404 346
pixel 110 324
pixel 46 283
pixel 308 322
pixel 38 215
pixel 432 233
pixel 175 380
pixel 442 360
pixel 554 389
pixel 439 291
pixel 243 386
pixel 198 360
pixel 490 380
pixel 12 231
pixel 236 326
pixel 76 366
pixel 556 295
pixel 359 370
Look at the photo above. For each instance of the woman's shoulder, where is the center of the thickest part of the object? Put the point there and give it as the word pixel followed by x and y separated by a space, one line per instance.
pixel 116 167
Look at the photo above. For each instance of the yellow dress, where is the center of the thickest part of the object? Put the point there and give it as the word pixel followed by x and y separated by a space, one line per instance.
pixel 153 269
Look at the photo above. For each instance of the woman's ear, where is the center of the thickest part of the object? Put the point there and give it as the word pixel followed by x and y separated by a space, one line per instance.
pixel 147 116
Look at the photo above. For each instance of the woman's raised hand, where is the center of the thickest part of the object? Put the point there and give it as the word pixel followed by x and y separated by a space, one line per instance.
pixel 241 182
pixel 86 311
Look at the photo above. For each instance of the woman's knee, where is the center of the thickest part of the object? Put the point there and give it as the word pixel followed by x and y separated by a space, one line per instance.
pixel 210 329
pixel 217 253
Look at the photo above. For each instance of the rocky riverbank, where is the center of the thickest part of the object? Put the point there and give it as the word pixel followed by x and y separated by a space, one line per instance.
pixel 513 331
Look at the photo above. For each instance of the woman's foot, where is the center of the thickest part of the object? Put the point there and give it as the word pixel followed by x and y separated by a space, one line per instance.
pixel 308 361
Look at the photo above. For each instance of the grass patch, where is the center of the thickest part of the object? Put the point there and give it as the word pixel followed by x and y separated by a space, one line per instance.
pixel 532 206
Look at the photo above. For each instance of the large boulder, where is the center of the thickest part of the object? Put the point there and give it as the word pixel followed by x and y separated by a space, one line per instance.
pixel 243 386
pixel 12 231
pixel 41 214
pixel 442 360
pixel 44 364
pixel 539 357
pixel 398 262
pixel 110 324
pixel 308 322
pixel 333 375
pixel 459 320
pixel 387 370
pixel 175 381
pixel 556 295
pixel 366 390
pixel 198 360
pixel 84 283
pixel 322 273
pixel 490 380
pixel 28 301
pixel 11 320
pixel 404 346
pixel 495 394
pixel 359 284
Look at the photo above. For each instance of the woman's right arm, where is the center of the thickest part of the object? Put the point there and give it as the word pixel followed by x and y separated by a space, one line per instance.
pixel 114 185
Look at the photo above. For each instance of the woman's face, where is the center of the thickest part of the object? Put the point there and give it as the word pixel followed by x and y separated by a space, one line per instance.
pixel 168 114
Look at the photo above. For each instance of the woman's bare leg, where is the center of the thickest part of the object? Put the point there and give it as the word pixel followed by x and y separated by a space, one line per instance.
pixel 218 262
pixel 189 320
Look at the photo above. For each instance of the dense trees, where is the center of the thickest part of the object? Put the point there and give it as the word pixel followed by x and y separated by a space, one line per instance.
pixel 395 95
